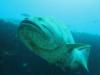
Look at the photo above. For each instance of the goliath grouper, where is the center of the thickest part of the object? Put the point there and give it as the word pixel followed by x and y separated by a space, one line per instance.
pixel 53 42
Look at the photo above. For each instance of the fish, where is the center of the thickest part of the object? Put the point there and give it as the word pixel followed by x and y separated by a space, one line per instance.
pixel 53 41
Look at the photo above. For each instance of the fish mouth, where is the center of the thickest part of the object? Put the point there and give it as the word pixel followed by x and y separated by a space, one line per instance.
pixel 35 26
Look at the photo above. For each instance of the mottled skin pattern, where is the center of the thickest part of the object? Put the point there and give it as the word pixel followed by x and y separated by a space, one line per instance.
pixel 53 42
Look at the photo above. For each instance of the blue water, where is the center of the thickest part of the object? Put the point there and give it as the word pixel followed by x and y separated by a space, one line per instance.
pixel 81 16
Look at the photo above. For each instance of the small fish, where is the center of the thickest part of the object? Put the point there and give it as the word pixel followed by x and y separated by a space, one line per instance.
pixel 53 42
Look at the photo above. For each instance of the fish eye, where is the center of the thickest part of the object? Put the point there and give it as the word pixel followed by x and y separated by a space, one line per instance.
pixel 40 19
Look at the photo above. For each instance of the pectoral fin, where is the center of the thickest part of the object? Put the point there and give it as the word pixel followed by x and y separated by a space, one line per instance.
pixel 78 54
pixel 79 46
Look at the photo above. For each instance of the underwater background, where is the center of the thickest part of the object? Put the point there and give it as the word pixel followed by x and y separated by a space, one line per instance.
pixel 81 16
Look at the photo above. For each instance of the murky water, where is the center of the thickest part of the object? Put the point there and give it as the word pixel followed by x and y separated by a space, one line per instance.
pixel 81 16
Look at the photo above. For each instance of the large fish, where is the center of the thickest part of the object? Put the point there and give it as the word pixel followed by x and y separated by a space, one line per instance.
pixel 53 42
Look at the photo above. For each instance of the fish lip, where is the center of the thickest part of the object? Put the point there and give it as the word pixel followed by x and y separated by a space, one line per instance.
pixel 28 22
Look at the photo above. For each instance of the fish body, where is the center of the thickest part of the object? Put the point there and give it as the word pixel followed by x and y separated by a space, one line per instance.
pixel 53 42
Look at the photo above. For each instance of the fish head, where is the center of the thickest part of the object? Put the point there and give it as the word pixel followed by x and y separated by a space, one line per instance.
pixel 40 32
